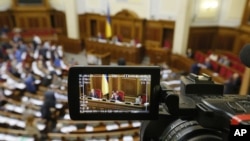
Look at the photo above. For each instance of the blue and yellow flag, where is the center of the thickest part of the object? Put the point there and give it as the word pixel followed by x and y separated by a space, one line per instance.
pixel 105 85
pixel 108 30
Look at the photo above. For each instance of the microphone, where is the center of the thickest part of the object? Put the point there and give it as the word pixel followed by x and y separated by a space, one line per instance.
pixel 245 55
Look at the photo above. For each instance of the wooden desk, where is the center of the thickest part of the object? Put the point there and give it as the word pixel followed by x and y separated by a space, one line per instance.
pixel 132 55
pixel 99 104
pixel 159 55
pixel 104 58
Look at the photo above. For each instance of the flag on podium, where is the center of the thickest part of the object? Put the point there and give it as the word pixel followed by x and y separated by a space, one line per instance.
pixel 108 30
pixel 105 85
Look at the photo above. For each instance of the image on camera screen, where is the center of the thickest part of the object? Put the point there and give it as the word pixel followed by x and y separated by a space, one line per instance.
pixel 114 93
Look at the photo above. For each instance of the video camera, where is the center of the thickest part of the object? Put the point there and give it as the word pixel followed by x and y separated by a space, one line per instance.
pixel 199 112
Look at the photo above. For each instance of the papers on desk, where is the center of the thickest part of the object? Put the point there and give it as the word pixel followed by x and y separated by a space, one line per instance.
pixel 37 81
pixel 8 137
pixel 67 129
pixel 118 43
pixel 62 88
pixel 12 121
pixel 25 99
pixel 102 40
pixel 138 45
pixel 7 92
pixel 136 124
pixel 66 116
pixel 3 119
pixel 41 127
pixel 89 128
pixel 37 114
pixel 127 138
pixel 113 139
pixel 21 124
pixel 123 125
pixel 12 84
pixel 59 105
pixel 117 101
pixel 93 98
pixel 36 101
pixel 9 107
pixel 112 127
pixel 172 82
pixel 215 74
pixel 20 86
pixel 167 71
pixel 177 88
pixel 60 96
pixel 19 109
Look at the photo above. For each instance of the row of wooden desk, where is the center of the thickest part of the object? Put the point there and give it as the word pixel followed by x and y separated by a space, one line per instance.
pixel 100 104
pixel 132 54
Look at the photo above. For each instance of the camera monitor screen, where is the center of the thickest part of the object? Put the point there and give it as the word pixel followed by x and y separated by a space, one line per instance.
pixel 113 93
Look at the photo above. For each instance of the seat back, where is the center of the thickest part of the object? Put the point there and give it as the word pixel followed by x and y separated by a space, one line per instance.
pixel 121 95
pixel 99 93
pixel 143 99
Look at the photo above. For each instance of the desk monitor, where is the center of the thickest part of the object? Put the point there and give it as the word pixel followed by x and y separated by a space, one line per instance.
pixel 113 92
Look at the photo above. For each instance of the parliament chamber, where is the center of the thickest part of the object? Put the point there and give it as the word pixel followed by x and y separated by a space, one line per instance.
pixel 139 41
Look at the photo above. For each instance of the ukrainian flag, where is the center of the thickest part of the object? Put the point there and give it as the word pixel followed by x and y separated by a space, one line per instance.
pixel 105 85
pixel 108 30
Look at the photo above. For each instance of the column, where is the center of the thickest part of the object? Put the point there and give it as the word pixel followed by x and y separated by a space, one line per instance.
pixel 182 25
pixel 72 22
pixel 245 84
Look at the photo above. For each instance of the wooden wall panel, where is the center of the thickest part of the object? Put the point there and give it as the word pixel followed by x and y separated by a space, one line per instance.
pixel 202 38
pixel 59 22
pixel 102 26
pixel 32 19
pixel 158 32
pixel 114 83
pixel 6 19
pixel 129 86
pixel 225 38
pixel 70 45
pixel 127 25
pixel 82 26
pixel 96 82
pixel 95 24
pixel 215 38
pixel 241 41
pixel 153 31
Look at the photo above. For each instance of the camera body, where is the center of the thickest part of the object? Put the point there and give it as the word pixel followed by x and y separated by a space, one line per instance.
pixel 199 112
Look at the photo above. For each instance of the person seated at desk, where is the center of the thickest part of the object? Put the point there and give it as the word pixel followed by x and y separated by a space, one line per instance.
pixel 93 93
pixel 232 85
pixel 116 96
pixel 121 61
pixel 138 100
pixel 196 67
pixel 30 83
pixel 224 60
pixel 190 53
pixel 99 35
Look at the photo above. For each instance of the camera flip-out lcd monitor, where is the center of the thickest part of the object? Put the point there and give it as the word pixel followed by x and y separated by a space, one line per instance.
pixel 113 92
